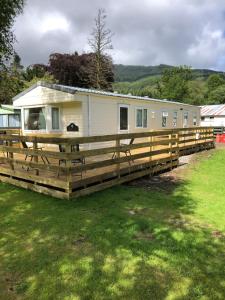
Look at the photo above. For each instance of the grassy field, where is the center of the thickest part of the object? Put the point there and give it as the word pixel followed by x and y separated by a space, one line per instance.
pixel 122 243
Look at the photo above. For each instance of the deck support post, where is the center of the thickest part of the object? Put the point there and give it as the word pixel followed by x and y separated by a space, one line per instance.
pixel 68 170
pixel 170 151
pixel 118 157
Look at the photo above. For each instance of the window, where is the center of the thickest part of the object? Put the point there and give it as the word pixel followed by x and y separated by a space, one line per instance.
pixel 123 117
pixel 9 121
pixel 34 118
pixel 164 118
pixel 4 121
pixel 194 119
pixel 141 118
pixel 175 118
pixel 14 121
pixel 185 124
pixel 55 118
pixel 203 118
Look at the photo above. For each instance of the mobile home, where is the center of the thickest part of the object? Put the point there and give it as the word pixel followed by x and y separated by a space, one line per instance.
pixel 69 111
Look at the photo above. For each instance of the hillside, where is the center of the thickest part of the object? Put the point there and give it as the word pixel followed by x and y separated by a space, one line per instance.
pixel 132 73
pixel 144 81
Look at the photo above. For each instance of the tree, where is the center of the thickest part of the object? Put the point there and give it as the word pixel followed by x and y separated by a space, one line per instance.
pixel 217 96
pixel 9 10
pixel 174 83
pixel 10 85
pixel 46 77
pixel 100 42
pixel 214 81
pixel 35 71
pixel 71 69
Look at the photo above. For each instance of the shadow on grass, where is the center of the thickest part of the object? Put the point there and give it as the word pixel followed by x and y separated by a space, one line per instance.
pixel 122 243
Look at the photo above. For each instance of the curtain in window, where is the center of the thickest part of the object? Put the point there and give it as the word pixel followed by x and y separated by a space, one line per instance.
pixel 14 121
pixel 42 122
pixel 26 118
pixel 4 121
pixel 55 118
pixel 145 118
pixel 139 118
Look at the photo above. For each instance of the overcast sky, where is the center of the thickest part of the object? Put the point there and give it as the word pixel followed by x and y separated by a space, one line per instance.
pixel 146 32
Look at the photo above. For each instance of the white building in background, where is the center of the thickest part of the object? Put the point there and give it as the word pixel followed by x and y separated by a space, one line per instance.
pixel 213 115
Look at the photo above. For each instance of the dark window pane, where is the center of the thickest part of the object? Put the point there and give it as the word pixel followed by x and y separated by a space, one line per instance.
pixel 123 118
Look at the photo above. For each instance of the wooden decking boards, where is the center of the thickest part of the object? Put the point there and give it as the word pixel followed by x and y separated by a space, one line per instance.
pixel 151 152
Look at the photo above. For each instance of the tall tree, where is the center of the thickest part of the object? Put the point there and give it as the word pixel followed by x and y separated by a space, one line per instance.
pixel 100 42
pixel 8 11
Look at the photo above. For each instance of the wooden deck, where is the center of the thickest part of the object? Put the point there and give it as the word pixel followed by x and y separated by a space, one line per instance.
pixel 150 153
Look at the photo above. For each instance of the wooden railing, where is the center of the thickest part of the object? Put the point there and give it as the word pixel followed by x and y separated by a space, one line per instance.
pixel 108 160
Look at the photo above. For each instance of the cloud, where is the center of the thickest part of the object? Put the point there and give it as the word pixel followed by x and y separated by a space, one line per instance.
pixel 148 32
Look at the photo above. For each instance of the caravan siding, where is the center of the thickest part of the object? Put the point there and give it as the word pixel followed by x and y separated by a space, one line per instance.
pixel 99 114
pixel 105 115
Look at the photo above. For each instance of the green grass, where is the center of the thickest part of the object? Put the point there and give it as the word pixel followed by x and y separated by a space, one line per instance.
pixel 122 243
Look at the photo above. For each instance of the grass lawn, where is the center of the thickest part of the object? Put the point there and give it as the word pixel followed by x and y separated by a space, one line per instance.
pixel 122 243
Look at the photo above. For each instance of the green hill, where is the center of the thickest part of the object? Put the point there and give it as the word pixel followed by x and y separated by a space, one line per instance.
pixel 144 81
pixel 132 73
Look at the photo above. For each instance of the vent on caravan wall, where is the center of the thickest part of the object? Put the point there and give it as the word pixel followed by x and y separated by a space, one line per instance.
pixel 72 127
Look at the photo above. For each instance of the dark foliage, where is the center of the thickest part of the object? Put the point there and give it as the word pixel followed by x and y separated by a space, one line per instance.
pixel 9 9
pixel 78 70
pixel 36 70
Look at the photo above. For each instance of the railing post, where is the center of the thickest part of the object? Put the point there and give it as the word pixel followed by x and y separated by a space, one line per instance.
pixel 118 157
pixel 35 147
pixel 10 144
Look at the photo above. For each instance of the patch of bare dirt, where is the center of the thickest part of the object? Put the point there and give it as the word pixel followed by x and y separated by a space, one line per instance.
pixel 169 180
pixel 144 236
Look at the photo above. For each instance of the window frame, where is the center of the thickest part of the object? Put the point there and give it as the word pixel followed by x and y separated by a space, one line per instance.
pixel 143 109
pixel 7 119
pixel 46 121
pixel 166 116
pixel 185 113
pixel 119 123
pixel 175 118
pixel 194 118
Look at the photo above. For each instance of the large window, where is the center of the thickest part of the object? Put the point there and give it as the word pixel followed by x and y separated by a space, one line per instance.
pixel 141 118
pixel 123 117
pixel 12 121
pixel 185 124
pixel 34 118
pixel 55 118
pixel 164 118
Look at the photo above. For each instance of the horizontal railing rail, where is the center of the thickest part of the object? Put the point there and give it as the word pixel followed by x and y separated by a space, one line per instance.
pixel 99 157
